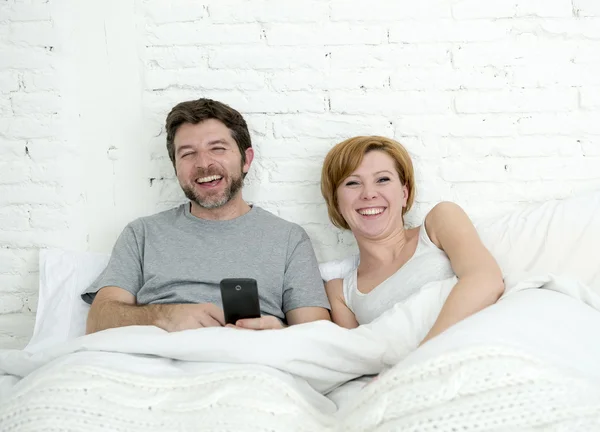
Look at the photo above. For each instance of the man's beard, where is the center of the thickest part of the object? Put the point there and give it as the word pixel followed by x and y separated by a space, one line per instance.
pixel 218 200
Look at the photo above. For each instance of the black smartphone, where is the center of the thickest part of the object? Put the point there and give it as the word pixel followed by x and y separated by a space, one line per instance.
pixel 240 299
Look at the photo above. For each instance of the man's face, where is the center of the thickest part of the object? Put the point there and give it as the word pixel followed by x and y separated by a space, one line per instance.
pixel 208 163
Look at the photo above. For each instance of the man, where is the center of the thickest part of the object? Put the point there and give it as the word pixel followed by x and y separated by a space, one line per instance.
pixel 165 269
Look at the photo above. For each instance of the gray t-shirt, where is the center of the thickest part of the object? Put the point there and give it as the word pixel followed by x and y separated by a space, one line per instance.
pixel 175 257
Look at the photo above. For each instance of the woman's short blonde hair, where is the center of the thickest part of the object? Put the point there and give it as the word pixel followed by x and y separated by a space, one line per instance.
pixel 343 159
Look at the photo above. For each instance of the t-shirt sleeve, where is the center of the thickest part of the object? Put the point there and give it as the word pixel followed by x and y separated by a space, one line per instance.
pixel 302 285
pixel 124 268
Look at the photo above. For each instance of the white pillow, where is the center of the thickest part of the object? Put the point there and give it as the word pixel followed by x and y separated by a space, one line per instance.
pixel 61 314
pixel 558 237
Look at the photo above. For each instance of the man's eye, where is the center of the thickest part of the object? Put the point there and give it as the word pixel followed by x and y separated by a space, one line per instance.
pixel 186 155
pixel 219 148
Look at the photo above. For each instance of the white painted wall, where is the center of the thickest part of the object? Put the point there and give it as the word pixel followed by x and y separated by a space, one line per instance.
pixel 498 102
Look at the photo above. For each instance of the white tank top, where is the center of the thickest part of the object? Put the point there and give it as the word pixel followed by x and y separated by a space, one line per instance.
pixel 428 264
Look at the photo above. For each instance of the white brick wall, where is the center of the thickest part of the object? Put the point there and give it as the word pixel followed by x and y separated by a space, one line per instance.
pixel 498 102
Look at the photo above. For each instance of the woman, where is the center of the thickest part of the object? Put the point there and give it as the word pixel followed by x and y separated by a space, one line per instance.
pixel 368 184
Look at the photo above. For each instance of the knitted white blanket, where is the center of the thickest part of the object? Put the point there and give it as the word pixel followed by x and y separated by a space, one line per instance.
pixel 487 389
pixel 142 378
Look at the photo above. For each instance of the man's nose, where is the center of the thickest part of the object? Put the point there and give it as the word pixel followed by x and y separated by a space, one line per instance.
pixel 203 160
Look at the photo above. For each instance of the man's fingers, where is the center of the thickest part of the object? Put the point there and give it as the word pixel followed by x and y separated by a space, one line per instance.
pixel 217 314
pixel 208 321
pixel 262 323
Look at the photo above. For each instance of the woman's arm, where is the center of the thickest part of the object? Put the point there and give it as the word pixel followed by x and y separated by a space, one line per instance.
pixel 340 313
pixel 480 283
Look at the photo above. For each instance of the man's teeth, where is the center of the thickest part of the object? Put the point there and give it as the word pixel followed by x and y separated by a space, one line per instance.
pixel 208 179
pixel 371 211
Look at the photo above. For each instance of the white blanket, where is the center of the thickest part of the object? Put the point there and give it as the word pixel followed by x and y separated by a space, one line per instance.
pixel 142 378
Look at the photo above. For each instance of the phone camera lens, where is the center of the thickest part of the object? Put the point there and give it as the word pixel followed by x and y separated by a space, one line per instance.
pixel 238 288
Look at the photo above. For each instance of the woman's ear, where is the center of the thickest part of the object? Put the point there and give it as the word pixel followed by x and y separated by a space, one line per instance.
pixel 404 195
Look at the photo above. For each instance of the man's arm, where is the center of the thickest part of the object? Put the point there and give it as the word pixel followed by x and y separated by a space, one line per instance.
pixel 307 314
pixel 115 307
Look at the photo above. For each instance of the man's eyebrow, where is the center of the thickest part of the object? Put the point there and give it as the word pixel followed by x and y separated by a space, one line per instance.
pixel 184 147
pixel 219 141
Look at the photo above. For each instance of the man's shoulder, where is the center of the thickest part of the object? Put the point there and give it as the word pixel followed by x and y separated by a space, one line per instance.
pixel 278 224
pixel 165 217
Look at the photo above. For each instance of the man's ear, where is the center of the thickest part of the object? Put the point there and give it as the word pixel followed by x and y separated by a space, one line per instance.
pixel 249 158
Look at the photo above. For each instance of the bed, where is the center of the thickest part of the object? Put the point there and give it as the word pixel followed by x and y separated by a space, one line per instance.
pixel 529 362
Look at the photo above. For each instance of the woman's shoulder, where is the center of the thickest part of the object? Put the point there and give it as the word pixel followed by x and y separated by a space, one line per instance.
pixel 441 216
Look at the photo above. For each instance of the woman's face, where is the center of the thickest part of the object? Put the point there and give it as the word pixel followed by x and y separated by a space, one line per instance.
pixel 371 199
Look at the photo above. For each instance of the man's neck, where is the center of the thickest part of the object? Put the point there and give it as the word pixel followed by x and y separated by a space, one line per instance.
pixel 235 208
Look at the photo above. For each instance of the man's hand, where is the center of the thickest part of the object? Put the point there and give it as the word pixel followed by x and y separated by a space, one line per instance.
pixel 267 322
pixel 190 316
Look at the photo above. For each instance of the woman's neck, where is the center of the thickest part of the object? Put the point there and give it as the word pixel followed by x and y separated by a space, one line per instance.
pixel 379 252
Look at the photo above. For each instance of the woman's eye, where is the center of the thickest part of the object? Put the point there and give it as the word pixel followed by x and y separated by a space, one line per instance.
pixel 383 179
pixel 351 183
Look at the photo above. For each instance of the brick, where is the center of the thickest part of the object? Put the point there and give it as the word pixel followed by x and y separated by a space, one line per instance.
pixel 447 78
pixel 260 58
pixel 176 57
pixel 591 146
pixel 583 122
pixel 9 81
pixel 242 11
pixel 10 262
pixel 389 103
pixel 490 169
pixel 29 127
pixel 337 126
pixel 5 107
pixel 26 194
pixel 586 52
pixel 325 34
pixel 299 147
pixel 530 100
pixel 473 9
pixel 545 8
pixel 61 171
pixel 14 57
pixel 35 33
pixel 194 33
pixel 25 11
pixel 305 214
pixel 513 147
pixel 205 79
pixel 41 80
pixel 335 79
pixel 36 103
pixel 36 238
pixel 449 31
pixel 10 303
pixel 14 172
pixel 383 10
pixel 569 28
pixel 586 8
pixel 590 97
pixel 51 218
pixel 389 57
pixel 283 193
pixel 523 50
pixel 14 217
pixel 20 284
pixel 12 150
pixel 44 150
pixel 159 11
pixel 555 168
pixel 306 171
pixel 567 75
pixel 471 125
